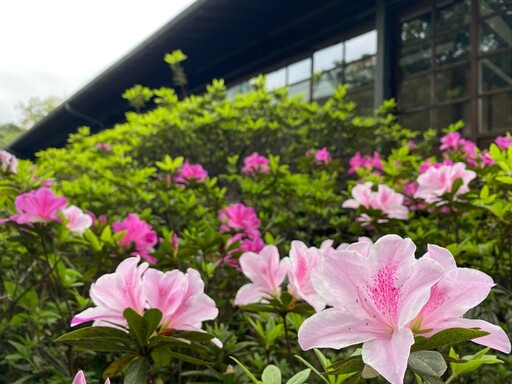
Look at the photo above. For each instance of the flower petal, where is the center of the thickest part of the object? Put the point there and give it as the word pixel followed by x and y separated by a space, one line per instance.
pixel 389 356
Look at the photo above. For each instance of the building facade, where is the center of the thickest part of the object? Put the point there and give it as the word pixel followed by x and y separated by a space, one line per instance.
pixel 443 61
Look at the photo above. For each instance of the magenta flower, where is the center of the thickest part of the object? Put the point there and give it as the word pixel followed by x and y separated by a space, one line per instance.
pixel 240 218
pixel 255 163
pixel 504 141
pixel 376 161
pixel 450 141
pixel 181 298
pixel 358 161
pixel 299 265
pixel 459 290
pixel 265 271
pixel 191 172
pixel 139 233
pixel 113 293
pixel 80 379
pixel 375 291
pixel 38 206
pixel 486 158
pixel 77 221
pixel 323 156
pixel 436 182
pixel 8 162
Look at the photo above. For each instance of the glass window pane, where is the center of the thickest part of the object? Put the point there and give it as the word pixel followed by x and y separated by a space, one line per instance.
pixel 417 121
pixel 495 112
pixel 415 59
pixel 360 73
pixel 496 71
pixel 327 83
pixel 454 15
pixel 496 32
pixel 328 58
pixel 364 100
pixel 276 79
pixel 361 46
pixel 299 71
pixel 490 6
pixel 302 89
pixel 453 83
pixel 414 92
pixel 449 114
pixel 452 47
pixel 416 30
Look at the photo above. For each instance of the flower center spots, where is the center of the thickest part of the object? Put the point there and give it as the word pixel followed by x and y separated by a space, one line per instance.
pixel 384 293
pixel 437 297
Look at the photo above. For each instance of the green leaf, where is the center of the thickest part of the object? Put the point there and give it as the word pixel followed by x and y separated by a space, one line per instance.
pixel 505 179
pixel 93 240
pixel 430 363
pixel 472 362
pixel 136 325
pixel 247 372
pixel 187 358
pixel 449 336
pixel 118 365
pixel 348 365
pixel 271 375
pixel 104 339
pixel 152 318
pixel 137 372
pixel 106 235
pixel 307 364
pixel 300 377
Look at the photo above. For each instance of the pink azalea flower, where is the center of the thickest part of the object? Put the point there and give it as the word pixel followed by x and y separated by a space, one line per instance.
pixel 9 162
pixel 239 217
pixel 80 379
pixel 77 221
pixel 181 298
pixel 450 141
pixel 459 290
pixel 139 233
pixel 299 265
pixel 255 163
pixel 323 156
pixel 435 182
pixel 189 172
pixel 38 206
pixel 486 159
pixel 113 293
pixel 375 291
pixel 384 199
pixel 358 161
pixel 389 202
pixel 376 161
pixel 265 271
pixel 103 146
pixel 247 244
pixel 361 194
pixel 504 141
pixel 469 148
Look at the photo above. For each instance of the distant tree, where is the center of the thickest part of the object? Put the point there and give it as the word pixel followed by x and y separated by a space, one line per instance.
pixel 8 133
pixel 36 109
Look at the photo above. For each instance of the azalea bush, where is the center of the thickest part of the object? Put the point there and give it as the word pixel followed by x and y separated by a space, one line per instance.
pixel 253 249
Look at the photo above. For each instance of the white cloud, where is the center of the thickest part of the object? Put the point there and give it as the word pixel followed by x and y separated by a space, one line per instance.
pixel 54 47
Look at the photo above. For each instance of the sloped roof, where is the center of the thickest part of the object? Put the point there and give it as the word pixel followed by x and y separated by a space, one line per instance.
pixel 230 39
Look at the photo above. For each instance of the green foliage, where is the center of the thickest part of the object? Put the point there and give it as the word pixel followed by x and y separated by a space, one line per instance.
pixel 8 133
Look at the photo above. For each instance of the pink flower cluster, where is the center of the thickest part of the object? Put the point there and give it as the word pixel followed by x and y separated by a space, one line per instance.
pixel 245 221
pixel 104 147
pixel 80 379
pixel 369 162
pixel 437 181
pixel 138 234
pixel 42 206
pixel 8 162
pixel 452 142
pixel 191 172
pixel 255 164
pixel 380 295
pixel 322 156
pixel 504 141
pixel 384 199
pixel 179 296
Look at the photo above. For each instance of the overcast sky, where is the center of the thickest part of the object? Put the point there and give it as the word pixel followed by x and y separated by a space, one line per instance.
pixel 54 47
